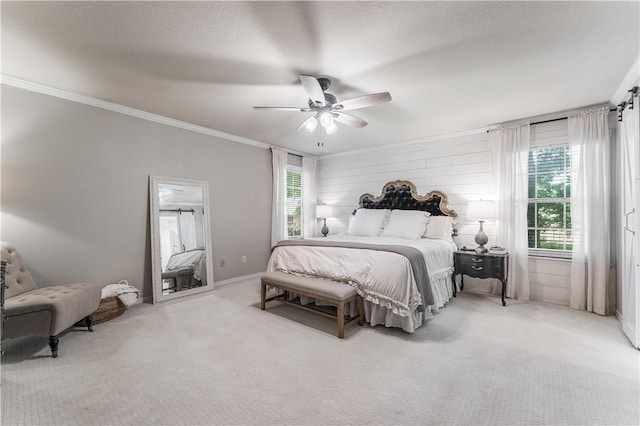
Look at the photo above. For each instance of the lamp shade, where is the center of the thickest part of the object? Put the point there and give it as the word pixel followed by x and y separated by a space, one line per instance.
pixel 481 210
pixel 324 212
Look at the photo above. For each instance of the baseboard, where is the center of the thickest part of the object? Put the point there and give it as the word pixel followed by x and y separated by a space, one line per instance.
pixel 222 283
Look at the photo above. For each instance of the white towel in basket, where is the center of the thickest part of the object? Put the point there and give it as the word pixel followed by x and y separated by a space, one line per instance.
pixel 125 292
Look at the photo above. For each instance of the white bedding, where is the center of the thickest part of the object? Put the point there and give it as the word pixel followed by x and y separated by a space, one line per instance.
pixel 194 259
pixel 384 279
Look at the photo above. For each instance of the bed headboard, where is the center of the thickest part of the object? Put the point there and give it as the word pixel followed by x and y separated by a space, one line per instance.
pixel 402 194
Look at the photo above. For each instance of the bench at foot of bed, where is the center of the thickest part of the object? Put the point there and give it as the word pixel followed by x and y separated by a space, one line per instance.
pixel 335 293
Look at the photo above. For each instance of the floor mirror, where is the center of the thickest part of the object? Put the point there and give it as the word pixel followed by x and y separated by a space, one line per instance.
pixel 180 237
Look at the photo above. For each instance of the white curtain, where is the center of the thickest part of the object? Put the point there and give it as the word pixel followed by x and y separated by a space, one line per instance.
pixel 309 197
pixel 187 223
pixel 510 153
pixel 279 213
pixel 590 216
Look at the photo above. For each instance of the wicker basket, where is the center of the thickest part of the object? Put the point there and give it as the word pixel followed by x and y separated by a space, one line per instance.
pixel 109 308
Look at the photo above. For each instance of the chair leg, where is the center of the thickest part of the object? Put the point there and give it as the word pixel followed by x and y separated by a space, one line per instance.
pixel 89 321
pixel 53 344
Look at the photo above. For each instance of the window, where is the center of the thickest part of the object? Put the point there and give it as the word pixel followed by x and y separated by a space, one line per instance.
pixel 294 202
pixel 549 209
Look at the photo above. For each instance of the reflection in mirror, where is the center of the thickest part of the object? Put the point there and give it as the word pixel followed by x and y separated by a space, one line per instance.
pixel 181 251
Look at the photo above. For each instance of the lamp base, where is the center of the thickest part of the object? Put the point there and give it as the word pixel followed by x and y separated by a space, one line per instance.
pixel 324 229
pixel 481 239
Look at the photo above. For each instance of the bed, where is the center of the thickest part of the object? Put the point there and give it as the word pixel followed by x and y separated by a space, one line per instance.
pixel 185 270
pixel 397 254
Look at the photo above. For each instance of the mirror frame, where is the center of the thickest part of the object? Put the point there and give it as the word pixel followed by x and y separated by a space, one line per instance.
pixel 154 211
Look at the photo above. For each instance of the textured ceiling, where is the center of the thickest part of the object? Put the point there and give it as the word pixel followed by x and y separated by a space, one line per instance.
pixel 449 66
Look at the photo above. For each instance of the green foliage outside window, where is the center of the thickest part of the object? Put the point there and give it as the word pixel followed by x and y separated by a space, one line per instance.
pixel 549 210
pixel 294 203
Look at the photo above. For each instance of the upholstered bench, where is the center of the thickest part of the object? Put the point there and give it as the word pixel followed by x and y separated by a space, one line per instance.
pixel 45 311
pixel 335 293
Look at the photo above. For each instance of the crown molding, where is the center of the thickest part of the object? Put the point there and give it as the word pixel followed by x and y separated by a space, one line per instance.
pixel 133 112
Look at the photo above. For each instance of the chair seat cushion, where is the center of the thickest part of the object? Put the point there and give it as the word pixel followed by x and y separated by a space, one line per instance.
pixel 64 304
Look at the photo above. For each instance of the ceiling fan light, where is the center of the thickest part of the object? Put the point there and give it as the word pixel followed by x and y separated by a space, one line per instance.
pixel 331 127
pixel 326 119
pixel 311 124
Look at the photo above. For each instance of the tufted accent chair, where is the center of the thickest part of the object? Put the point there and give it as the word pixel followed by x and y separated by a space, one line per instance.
pixel 46 311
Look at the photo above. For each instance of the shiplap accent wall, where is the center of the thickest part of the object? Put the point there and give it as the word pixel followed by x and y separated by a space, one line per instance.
pixel 461 167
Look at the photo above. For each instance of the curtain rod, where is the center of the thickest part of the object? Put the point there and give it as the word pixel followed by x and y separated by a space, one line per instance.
pixel 562 118
pixel 178 210
pixel 549 121
pixel 556 119
pixel 621 106
pixel 297 153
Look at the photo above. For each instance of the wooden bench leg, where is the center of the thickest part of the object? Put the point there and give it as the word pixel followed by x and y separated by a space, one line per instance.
pixel 263 294
pixel 341 320
pixel 360 307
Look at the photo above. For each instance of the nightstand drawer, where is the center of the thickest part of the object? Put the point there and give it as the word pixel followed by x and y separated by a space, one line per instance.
pixel 478 271
pixel 480 266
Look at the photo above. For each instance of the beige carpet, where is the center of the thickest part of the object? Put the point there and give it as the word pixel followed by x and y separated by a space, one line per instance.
pixel 217 359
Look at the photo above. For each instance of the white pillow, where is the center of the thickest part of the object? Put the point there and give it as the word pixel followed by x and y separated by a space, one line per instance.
pixel 368 222
pixel 406 224
pixel 439 228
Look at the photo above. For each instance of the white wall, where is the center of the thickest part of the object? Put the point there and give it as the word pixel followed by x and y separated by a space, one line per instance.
pixel 459 166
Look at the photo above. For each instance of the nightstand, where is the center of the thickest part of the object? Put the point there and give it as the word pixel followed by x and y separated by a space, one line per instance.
pixel 480 265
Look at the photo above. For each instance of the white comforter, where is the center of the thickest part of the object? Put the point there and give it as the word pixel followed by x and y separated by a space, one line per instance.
pixel 383 278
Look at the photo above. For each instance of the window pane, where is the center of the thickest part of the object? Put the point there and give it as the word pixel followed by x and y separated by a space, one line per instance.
pixel 550 159
pixel 553 239
pixel 550 215
pixel 532 161
pixel 550 185
pixel 532 185
pixel 568 214
pixel 294 203
pixel 532 238
pixel 531 215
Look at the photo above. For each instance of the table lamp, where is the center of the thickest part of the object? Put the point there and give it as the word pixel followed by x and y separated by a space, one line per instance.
pixel 323 212
pixel 481 210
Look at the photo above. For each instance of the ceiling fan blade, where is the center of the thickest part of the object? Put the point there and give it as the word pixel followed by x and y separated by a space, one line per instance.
pixel 313 89
pixel 349 120
pixel 283 108
pixel 363 101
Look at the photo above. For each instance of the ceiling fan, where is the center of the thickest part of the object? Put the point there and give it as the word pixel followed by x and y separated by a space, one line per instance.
pixel 328 110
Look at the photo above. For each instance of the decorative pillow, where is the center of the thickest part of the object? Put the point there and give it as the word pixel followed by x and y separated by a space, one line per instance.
pixel 368 222
pixel 406 224
pixel 439 228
